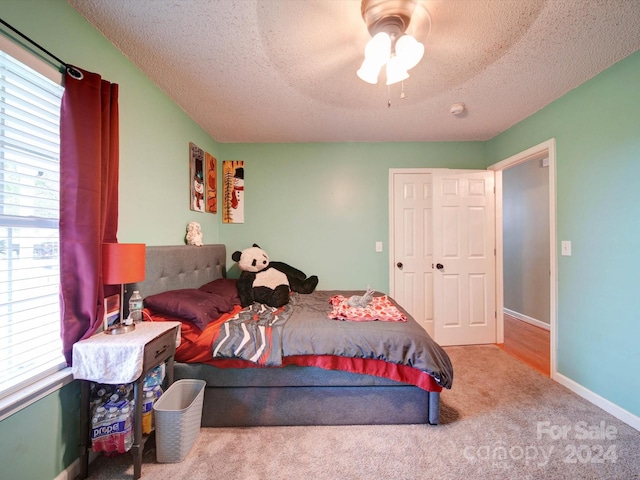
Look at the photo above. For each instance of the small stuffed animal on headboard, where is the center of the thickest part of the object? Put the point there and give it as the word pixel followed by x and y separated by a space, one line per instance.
pixel 267 282
pixel 194 234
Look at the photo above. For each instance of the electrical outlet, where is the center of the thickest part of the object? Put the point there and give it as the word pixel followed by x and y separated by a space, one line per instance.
pixel 566 248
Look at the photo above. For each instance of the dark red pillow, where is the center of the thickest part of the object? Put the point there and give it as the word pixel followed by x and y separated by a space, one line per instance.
pixel 225 287
pixel 197 306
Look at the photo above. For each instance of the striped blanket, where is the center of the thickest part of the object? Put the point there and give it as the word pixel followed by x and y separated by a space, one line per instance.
pixel 254 334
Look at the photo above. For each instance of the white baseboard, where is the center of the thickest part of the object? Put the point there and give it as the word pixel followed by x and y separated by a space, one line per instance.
pixel 525 318
pixel 606 405
pixel 73 470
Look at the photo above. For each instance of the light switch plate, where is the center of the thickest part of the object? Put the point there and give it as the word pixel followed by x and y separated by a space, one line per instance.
pixel 566 248
pixel 378 246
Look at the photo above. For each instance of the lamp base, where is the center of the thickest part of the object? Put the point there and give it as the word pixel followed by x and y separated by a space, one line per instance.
pixel 119 329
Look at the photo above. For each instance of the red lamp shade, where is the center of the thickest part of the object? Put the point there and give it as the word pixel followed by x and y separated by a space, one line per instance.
pixel 123 263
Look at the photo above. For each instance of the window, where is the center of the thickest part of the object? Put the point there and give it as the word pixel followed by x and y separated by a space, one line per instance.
pixel 30 344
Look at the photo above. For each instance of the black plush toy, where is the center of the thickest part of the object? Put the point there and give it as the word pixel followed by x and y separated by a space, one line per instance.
pixel 268 282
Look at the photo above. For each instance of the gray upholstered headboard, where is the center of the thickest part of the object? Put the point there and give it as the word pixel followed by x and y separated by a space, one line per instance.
pixel 180 266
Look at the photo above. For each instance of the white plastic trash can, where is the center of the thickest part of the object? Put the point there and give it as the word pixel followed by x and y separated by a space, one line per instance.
pixel 178 413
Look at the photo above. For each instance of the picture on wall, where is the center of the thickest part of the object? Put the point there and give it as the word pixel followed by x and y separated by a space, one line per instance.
pixel 196 175
pixel 211 190
pixel 233 191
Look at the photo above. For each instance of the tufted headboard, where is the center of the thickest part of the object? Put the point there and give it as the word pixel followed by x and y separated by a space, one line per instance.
pixel 180 266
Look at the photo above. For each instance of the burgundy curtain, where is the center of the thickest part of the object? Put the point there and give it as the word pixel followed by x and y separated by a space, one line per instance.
pixel 89 161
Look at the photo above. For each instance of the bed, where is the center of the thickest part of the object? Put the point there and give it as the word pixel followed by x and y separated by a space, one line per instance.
pixel 295 387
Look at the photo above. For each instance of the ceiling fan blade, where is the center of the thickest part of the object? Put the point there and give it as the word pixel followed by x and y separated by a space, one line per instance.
pixel 420 24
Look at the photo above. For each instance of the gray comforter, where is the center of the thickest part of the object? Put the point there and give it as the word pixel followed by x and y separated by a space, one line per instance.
pixel 304 328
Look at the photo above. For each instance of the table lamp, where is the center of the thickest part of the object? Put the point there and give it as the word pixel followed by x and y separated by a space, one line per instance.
pixel 122 263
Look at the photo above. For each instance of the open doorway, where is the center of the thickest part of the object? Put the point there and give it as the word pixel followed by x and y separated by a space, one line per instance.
pixel 526 256
pixel 525 240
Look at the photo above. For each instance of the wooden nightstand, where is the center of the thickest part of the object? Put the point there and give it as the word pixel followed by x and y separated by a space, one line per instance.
pixel 149 345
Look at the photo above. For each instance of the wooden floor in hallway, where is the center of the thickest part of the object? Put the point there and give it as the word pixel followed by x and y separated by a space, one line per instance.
pixel 528 343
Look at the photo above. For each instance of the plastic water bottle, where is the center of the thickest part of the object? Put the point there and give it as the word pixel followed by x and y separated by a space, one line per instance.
pixel 125 436
pixel 135 307
pixel 109 440
pixel 97 423
pixel 147 412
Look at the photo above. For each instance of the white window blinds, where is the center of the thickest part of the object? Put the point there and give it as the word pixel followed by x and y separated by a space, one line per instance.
pixel 30 344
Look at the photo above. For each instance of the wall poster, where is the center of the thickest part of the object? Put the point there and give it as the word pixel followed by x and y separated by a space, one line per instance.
pixel 233 191
pixel 196 172
pixel 211 203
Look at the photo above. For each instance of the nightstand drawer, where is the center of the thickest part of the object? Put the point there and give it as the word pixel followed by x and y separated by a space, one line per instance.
pixel 159 349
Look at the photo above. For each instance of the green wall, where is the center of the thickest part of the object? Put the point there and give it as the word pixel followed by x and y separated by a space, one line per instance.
pixel 40 441
pixel 597 132
pixel 322 207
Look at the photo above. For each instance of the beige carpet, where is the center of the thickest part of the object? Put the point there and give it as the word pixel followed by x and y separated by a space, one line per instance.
pixel 501 420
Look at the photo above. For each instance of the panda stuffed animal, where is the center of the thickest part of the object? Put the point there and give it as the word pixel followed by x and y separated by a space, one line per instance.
pixel 267 282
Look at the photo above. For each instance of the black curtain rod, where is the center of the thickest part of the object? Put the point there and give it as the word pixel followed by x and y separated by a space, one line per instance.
pixel 38 46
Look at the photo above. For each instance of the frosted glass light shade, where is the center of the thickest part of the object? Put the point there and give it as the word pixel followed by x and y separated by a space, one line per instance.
pixel 409 51
pixel 378 49
pixel 396 71
pixel 369 72
pixel 376 54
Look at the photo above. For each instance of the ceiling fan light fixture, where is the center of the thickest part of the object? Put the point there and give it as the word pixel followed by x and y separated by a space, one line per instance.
pixel 387 21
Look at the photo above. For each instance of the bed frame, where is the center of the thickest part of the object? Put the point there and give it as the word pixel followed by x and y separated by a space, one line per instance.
pixel 290 395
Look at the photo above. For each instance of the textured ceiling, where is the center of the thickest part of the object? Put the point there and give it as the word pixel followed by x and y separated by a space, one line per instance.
pixel 268 71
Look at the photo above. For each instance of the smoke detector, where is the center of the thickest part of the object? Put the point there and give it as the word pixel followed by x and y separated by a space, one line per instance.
pixel 457 108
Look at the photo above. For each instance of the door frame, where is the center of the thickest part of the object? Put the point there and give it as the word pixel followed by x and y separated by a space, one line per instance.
pixel 545 148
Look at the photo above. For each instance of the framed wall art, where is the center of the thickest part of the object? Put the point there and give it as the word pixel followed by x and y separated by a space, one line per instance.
pixel 196 172
pixel 233 191
pixel 211 192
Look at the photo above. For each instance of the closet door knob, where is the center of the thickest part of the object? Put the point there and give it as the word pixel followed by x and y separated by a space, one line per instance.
pixel 399 265
pixel 439 266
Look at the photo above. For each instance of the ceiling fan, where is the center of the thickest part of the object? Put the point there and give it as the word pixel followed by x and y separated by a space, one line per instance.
pixel 318 46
